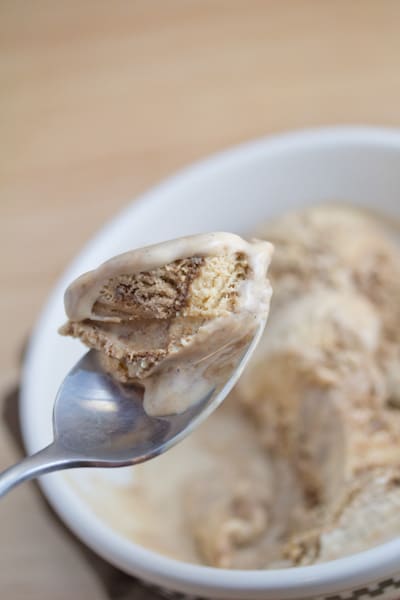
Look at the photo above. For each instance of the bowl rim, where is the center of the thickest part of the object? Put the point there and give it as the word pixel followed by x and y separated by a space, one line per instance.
pixel 366 566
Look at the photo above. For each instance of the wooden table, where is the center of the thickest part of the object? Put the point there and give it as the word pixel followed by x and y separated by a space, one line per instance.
pixel 99 100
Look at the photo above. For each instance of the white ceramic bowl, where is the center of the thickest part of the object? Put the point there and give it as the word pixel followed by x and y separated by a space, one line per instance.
pixel 232 191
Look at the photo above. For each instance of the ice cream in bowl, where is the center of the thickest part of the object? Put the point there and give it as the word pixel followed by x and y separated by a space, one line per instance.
pixel 291 489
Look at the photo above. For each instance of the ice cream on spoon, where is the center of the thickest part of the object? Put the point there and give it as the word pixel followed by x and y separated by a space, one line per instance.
pixel 174 315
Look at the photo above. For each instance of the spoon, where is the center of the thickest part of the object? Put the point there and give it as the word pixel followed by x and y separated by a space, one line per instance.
pixel 98 422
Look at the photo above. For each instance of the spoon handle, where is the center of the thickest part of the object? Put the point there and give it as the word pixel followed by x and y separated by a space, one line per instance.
pixel 46 460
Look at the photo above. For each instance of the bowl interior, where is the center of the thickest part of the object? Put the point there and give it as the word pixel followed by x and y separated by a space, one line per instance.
pixel 233 191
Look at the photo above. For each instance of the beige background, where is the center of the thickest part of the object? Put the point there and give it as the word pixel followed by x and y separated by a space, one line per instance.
pixel 98 101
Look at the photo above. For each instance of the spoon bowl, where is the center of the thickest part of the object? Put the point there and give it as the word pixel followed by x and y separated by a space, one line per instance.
pixel 99 422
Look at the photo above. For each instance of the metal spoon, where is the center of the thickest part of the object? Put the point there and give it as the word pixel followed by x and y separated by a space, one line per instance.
pixel 98 422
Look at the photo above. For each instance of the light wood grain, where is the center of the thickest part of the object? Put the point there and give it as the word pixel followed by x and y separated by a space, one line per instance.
pixel 101 99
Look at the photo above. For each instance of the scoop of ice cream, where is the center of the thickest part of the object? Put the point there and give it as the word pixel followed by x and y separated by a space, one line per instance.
pixel 169 307
pixel 322 384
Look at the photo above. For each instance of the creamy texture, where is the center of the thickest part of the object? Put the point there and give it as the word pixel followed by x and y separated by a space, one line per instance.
pixel 177 314
pixel 207 362
pixel 321 388
pixel 302 462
